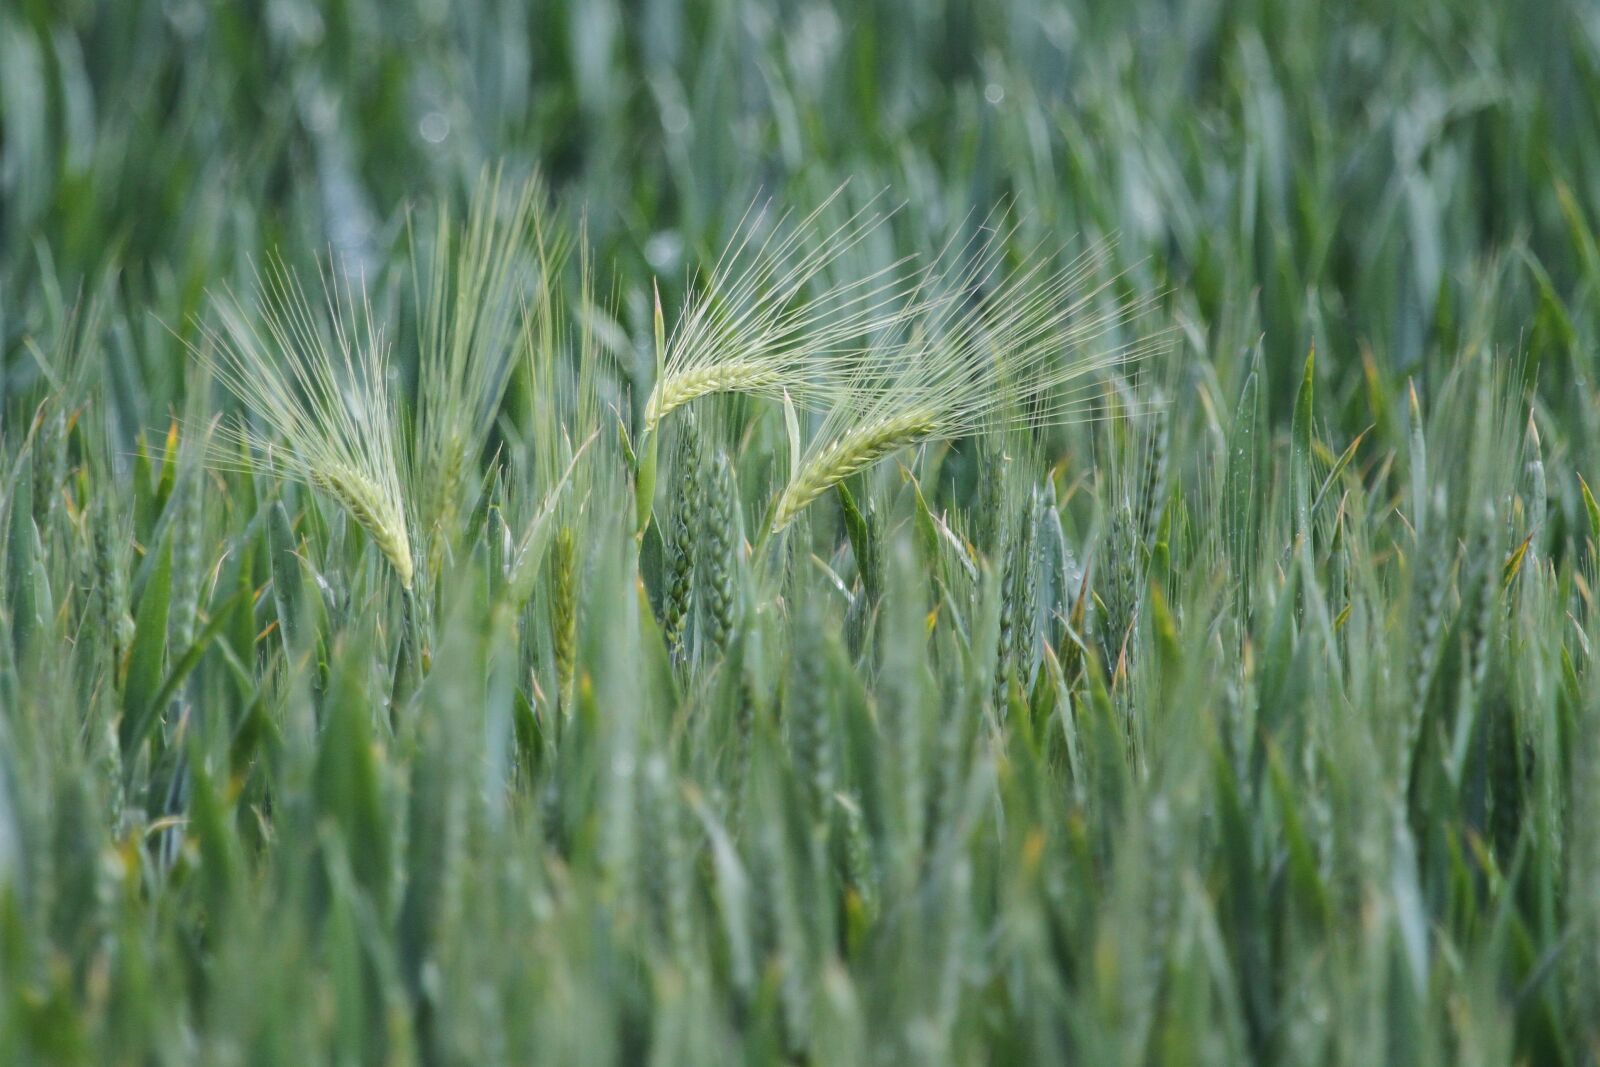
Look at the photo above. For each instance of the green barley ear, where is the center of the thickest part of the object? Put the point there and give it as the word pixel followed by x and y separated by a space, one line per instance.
pixel 1133 499
pixel 564 612
pixel 560 351
pixel 755 323
pixel 783 871
pixel 864 527
pixel 745 688
pixel 666 864
pixel 1018 602
pixel 468 317
pixel 1153 483
pixel 1242 491
pixel 1026 353
pixel 188 504
pixel 1122 581
pixel 1430 583
pixel 1538 491
pixel 50 466
pixel 314 379
pixel 808 711
pixel 682 544
pixel 113 537
pixel 527 555
pixel 853 450
pixel 861 876
pixel 187 536
pixel 721 538
pixel 71 365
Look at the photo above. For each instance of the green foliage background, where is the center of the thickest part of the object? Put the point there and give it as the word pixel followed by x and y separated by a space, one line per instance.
pixel 1258 726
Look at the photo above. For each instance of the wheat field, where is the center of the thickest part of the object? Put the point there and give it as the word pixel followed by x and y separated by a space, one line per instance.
pixel 799 531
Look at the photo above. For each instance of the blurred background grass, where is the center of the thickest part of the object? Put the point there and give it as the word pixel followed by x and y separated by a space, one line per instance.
pixel 1357 175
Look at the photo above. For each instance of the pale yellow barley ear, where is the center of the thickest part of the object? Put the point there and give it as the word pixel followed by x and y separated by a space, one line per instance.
pixel 367 504
pixel 856 450
pixel 1026 352
pixel 315 379
pixel 764 320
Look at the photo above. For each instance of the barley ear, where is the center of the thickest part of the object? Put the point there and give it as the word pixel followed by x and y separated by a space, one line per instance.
pixel 853 451
pixel 564 612
pixel 376 513
pixel 314 376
